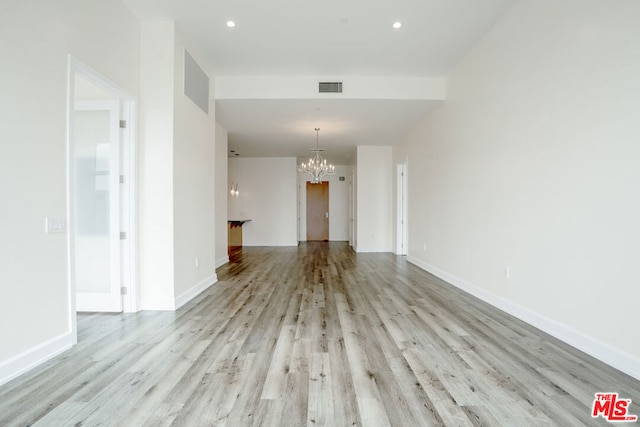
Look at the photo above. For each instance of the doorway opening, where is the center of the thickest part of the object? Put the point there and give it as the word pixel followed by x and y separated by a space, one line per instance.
pixel 318 211
pixel 100 194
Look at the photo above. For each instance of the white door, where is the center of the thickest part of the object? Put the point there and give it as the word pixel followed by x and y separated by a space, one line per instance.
pixel 402 233
pixel 351 204
pixel 95 231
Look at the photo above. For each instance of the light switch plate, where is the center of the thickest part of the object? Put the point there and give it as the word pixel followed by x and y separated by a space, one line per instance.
pixel 54 225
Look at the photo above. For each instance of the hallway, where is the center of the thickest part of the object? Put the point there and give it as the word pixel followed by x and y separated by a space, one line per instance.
pixel 315 335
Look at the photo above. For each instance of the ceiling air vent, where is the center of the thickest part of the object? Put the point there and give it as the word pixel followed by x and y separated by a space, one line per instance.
pixel 330 87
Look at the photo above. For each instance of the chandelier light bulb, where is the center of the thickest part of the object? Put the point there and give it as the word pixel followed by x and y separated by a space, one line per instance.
pixel 234 190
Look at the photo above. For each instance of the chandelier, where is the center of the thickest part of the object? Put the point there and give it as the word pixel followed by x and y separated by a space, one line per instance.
pixel 234 190
pixel 317 166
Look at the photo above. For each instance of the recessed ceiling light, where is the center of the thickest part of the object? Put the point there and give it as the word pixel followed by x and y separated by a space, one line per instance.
pixel 397 24
pixel 231 24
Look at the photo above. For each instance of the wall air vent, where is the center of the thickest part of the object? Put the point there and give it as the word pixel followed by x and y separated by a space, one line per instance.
pixel 330 87
pixel 196 83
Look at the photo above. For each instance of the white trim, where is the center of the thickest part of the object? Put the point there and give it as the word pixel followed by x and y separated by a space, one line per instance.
pixel 222 261
pixel 72 65
pixel 27 360
pixel 612 356
pixel 187 296
pixel 280 245
pixel 364 250
pixel 131 301
pixel 98 78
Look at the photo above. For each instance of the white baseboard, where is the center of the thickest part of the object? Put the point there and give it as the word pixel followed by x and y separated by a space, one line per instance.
pixel 593 347
pixel 187 296
pixel 365 250
pixel 262 245
pixel 222 261
pixel 27 360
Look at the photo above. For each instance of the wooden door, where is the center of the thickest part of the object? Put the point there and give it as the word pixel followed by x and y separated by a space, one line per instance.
pixel 318 211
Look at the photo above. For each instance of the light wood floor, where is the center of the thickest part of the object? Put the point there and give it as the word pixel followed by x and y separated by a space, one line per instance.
pixel 315 335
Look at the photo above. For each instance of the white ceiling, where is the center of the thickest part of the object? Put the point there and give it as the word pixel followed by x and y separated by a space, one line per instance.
pixel 282 128
pixel 327 38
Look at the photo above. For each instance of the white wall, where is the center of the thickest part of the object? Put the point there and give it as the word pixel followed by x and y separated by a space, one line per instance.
pixel 222 193
pixel 267 197
pixel 177 185
pixel 338 204
pixel 532 165
pixel 156 165
pixel 35 43
pixel 374 180
pixel 194 187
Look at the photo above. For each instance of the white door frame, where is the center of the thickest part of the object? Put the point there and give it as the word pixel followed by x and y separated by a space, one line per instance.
pixel 128 192
pixel 351 203
pixel 402 215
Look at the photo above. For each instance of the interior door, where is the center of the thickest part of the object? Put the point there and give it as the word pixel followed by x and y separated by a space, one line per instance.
pixel 402 233
pixel 95 228
pixel 318 211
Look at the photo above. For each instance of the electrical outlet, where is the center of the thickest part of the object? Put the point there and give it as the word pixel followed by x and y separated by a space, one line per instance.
pixel 424 247
pixel 197 263
pixel 507 272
